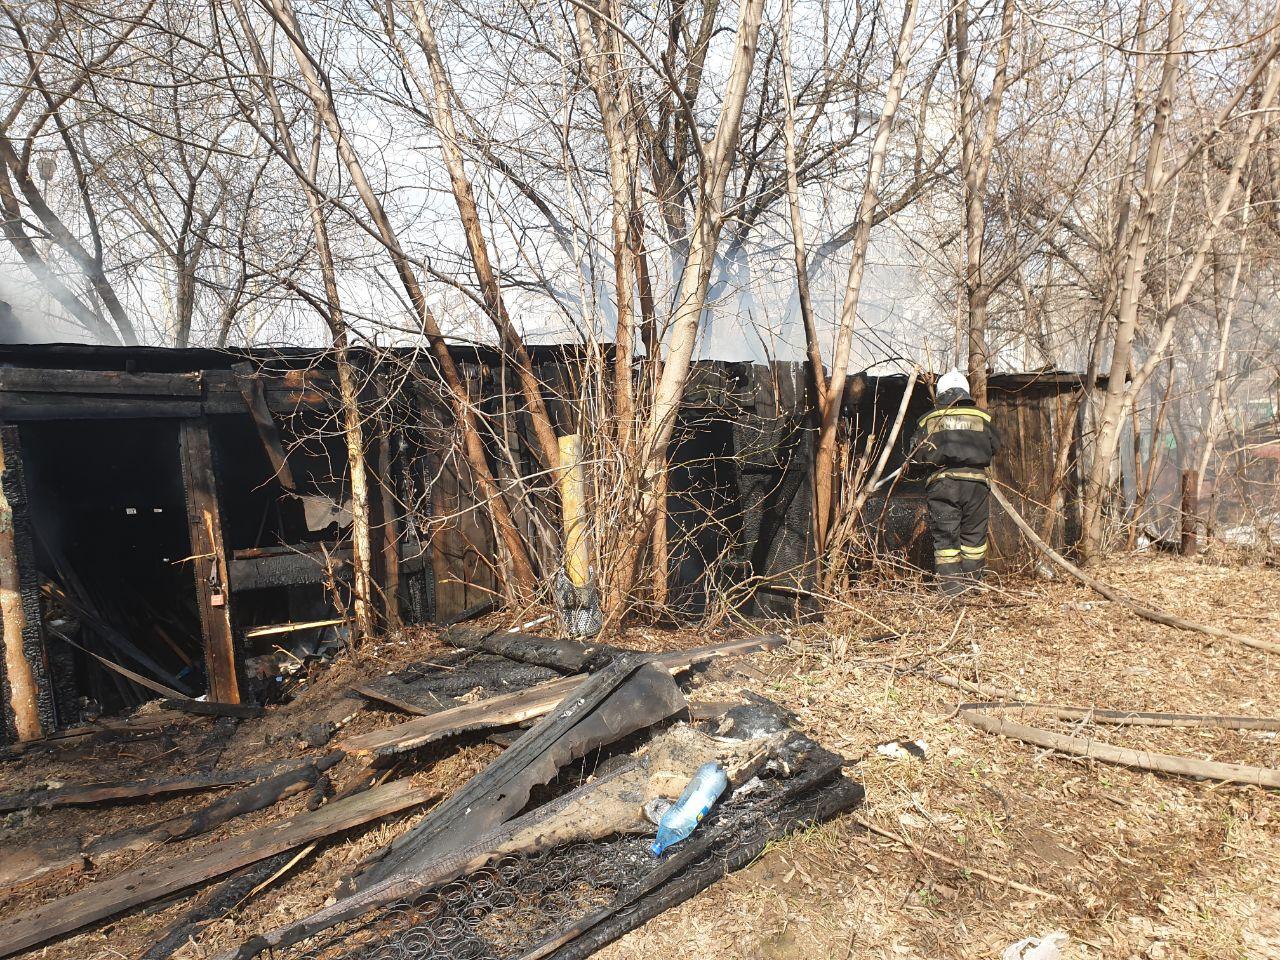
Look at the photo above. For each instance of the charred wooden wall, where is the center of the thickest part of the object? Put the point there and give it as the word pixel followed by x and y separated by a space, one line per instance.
pixel 739 504
pixel 1034 419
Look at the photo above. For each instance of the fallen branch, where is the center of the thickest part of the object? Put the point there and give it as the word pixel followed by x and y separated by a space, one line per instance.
pixel 1129 718
pixel 943 858
pixel 1115 596
pixel 977 715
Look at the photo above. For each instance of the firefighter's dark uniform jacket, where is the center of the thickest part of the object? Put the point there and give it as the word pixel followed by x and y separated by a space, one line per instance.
pixel 958 441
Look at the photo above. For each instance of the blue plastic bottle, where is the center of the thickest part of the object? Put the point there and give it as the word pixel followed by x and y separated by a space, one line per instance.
pixel 687 812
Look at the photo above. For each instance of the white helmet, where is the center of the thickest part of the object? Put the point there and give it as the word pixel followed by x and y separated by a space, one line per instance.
pixel 952 380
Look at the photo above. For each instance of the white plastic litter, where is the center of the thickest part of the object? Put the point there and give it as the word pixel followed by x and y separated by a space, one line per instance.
pixel 1048 947
pixel 903 749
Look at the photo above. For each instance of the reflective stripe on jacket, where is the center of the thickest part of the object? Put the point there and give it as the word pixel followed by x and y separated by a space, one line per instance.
pixel 956 435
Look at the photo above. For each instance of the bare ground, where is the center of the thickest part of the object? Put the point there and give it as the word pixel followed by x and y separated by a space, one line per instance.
pixel 1131 865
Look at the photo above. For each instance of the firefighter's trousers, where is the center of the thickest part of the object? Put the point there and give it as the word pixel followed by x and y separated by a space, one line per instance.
pixel 959 510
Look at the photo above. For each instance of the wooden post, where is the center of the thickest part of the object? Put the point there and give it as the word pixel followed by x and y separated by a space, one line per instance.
pixel 209 561
pixel 573 511
pixel 23 699
pixel 1190 514
pixel 390 531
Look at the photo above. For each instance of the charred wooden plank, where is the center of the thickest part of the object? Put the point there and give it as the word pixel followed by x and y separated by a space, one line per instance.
pixel 114 790
pixel 501 711
pixel 628 695
pixel 257 796
pixel 212 904
pixel 21 865
pixel 677 660
pixel 211 708
pixel 209 562
pixel 512 708
pixel 255 399
pixel 39 380
pixel 104 899
pixel 140 727
pixel 400 696
pixel 70 406
pixel 284 569
pixel 566 656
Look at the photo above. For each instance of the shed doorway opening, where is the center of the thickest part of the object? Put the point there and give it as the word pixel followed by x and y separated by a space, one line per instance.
pixel 109 524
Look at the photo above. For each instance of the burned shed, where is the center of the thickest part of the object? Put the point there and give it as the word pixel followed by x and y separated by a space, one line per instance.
pixel 157 522
pixel 182 513
pixel 741 483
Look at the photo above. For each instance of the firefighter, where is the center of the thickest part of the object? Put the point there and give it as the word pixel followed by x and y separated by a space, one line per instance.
pixel 958 442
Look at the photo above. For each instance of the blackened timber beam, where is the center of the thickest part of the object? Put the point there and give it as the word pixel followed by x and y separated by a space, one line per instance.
pixel 33 380
pixel 209 561
pixel 35 394
pixel 255 399
pixel 78 406
pixel 567 656
pixel 23 643
pixel 285 569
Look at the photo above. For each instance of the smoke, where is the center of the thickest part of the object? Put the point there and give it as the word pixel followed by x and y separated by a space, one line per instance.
pixel 29 315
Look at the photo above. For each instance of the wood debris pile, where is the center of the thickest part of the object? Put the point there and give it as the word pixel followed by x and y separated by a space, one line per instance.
pixel 542 853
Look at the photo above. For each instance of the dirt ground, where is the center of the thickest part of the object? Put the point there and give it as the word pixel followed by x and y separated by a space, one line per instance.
pixel 1129 864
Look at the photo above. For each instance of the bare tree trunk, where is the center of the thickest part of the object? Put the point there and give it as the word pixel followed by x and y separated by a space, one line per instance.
pixel 613 99
pixel 1217 397
pixel 15 231
pixel 186 303
pixel 817 375
pixel 824 461
pixel 517 553
pixel 1144 480
pixel 1119 393
pixel 442 114
pixel 690 301
pixel 349 396
pixel 89 264
pixel 975 161
pixel 1108 435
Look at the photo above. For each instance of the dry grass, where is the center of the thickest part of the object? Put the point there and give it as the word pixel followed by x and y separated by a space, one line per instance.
pixel 1138 866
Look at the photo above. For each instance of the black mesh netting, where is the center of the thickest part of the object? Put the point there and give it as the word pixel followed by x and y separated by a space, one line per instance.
pixel 567 902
